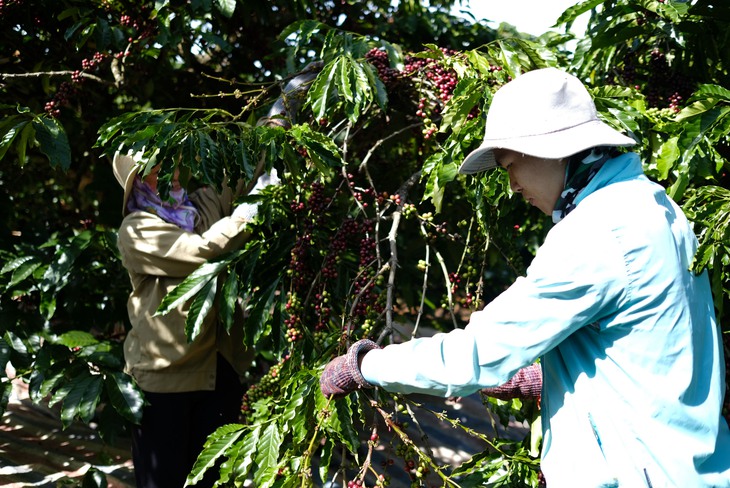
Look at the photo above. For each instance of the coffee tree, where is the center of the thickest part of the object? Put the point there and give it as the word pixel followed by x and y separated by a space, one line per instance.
pixel 372 233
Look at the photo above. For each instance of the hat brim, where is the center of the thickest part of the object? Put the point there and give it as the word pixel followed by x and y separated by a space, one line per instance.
pixel 125 170
pixel 553 145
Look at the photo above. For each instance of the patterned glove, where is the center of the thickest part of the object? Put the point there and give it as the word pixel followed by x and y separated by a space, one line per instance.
pixel 285 108
pixel 248 211
pixel 526 383
pixel 342 375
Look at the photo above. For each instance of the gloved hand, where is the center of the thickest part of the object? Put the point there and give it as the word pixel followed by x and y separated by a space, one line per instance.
pixel 248 211
pixel 342 375
pixel 526 383
pixel 285 108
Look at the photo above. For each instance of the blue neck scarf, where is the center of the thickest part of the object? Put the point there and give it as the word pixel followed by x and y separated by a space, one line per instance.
pixel 581 169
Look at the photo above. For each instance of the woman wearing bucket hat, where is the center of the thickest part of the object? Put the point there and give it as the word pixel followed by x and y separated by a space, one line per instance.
pixel 631 370
pixel 190 388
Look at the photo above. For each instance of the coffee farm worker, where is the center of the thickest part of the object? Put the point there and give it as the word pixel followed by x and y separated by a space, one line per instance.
pixel 190 388
pixel 630 353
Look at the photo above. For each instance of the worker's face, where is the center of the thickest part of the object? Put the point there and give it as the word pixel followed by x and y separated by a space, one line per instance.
pixel 151 178
pixel 539 180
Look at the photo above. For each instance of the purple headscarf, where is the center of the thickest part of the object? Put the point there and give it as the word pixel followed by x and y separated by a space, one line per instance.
pixel 178 209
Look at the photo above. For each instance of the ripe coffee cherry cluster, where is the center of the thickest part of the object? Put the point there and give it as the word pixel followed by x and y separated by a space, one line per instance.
pixel 433 79
pixel 436 83
pixel 305 263
pixel 93 63
pixel 317 259
pixel 440 79
pixel 460 283
pixel 62 97
pixel 663 86
pixel 68 90
pixel 365 287
pixel 143 28
pixel 378 58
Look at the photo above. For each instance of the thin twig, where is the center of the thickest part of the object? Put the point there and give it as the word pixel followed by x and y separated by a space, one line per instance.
pixel 377 144
pixel 445 272
pixel 424 287
pixel 407 440
pixel 39 74
pixel 393 260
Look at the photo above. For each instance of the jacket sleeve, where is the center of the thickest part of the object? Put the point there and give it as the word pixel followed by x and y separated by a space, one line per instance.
pixel 577 277
pixel 151 246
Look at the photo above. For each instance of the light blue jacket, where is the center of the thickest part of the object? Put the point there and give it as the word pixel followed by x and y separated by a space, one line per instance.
pixel 632 359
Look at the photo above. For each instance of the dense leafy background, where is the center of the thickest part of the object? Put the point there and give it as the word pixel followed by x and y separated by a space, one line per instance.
pixel 372 233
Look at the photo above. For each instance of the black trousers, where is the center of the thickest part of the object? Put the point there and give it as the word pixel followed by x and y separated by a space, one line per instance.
pixel 175 426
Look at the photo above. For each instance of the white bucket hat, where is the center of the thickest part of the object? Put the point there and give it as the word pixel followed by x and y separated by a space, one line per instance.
pixel 545 113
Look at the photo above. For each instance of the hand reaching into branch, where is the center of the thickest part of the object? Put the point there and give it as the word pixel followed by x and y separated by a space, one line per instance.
pixel 526 383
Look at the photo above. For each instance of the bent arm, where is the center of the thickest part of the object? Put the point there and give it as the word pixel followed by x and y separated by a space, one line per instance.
pixel 574 280
pixel 151 246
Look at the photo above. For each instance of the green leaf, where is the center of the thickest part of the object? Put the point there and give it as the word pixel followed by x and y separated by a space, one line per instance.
pixel 297 412
pixel 210 163
pixel 240 456
pixel 191 285
pixel 226 7
pixel 9 137
pixel 257 324
pixel 215 446
pixel 76 338
pixel 322 150
pixel 94 479
pixel 322 90
pixel 28 133
pixel 467 94
pixel 48 305
pixel 668 155
pixel 125 396
pixel 200 307
pixel 339 422
pixel 344 78
pixel 698 107
pixel 15 263
pixel 64 259
pixel 472 464
pixel 575 11
pixel 617 34
pixel 22 268
pixel 325 457
pixel 80 398
pixel 715 92
pixel 267 455
pixel 20 352
pixel 42 385
pixel 229 301
pixel 381 94
pixel 53 142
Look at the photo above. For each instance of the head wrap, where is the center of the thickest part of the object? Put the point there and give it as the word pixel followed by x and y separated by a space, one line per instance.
pixel 177 209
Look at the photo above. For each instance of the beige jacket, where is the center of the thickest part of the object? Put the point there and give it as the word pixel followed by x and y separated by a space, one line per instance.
pixel 158 256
